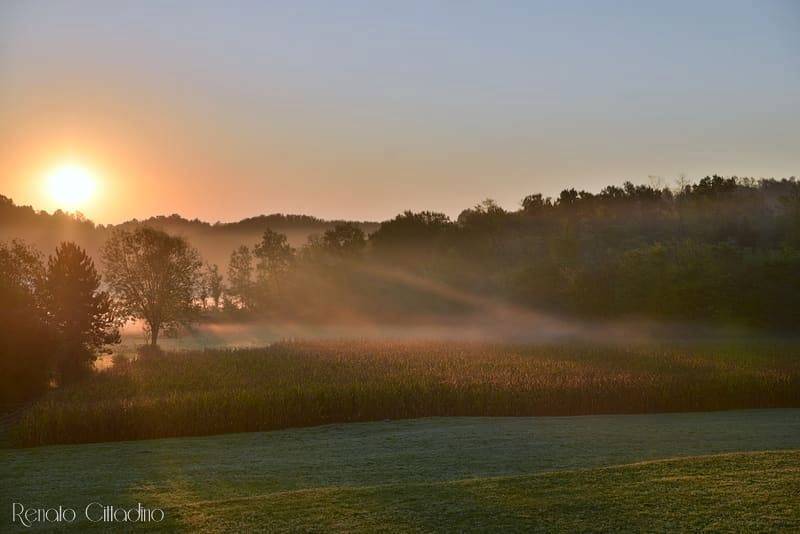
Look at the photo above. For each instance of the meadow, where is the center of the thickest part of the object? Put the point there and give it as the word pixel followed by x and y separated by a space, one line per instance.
pixel 297 384
pixel 728 493
pixel 587 473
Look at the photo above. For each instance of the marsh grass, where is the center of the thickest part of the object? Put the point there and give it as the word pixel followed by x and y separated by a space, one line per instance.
pixel 294 384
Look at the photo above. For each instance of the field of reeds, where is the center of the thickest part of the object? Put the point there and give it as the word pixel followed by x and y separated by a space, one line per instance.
pixel 294 384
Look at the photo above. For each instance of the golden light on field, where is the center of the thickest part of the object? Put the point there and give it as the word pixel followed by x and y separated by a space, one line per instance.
pixel 71 186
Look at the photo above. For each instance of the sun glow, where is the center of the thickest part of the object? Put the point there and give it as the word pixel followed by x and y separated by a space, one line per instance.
pixel 71 186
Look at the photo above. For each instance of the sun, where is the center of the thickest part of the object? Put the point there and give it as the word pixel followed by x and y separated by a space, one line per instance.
pixel 71 186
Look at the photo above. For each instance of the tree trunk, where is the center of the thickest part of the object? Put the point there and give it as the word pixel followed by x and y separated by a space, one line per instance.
pixel 154 335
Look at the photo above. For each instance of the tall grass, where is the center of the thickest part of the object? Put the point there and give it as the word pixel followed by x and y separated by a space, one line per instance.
pixel 294 384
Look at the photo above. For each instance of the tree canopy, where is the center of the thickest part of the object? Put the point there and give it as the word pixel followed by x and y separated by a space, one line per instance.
pixel 80 314
pixel 154 276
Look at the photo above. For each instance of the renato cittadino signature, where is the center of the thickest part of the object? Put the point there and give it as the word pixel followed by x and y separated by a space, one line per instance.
pixel 94 512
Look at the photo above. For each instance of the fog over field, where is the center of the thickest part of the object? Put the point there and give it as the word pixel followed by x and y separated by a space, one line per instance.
pixel 512 326
pixel 500 324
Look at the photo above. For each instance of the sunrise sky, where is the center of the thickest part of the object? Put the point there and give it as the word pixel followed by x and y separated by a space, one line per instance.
pixel 359 110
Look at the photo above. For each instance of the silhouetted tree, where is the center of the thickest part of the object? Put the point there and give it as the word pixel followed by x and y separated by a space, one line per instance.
pixel 240 277
pixel 154 276
pixel 213 284
pixel 273 254
pixel 26 345
pixel 534 203
pixel 567 197
pixel 411 229
pixel 80 314
pixel 344 239
pixel 482 224
pixel 483 214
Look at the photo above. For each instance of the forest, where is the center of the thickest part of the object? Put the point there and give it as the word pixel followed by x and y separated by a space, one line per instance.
pixel 722 251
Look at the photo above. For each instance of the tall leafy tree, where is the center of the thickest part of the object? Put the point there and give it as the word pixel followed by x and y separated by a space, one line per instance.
pixel 155 277
pixel 240 278
pixel 213 284
pixel 25 341
pixel 274 255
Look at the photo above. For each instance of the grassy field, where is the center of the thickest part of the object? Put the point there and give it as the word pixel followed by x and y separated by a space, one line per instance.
pixel 441 474
pixel 736 493
pixel 311 383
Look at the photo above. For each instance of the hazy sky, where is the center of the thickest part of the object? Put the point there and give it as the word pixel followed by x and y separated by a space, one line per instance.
pixel 222 110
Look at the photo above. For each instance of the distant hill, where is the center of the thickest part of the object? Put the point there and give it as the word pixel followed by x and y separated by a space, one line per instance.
pixel 215 241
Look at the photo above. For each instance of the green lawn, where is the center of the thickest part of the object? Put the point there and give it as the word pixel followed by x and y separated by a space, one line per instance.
pixel 441 473
pixel 738 492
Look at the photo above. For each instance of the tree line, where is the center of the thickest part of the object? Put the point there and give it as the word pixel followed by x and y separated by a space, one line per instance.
pixel 719 251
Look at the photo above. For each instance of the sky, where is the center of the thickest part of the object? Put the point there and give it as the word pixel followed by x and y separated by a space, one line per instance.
pixel 360 110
